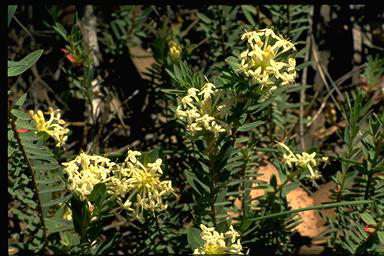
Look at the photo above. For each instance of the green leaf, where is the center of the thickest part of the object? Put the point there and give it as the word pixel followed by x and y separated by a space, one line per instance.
pixel 233 62
pixel 107 245
pixel 52 189
pixel 368 219
pixel 61 30
pixel 97 192
pixel 20 114
pixel 194 239
pixel 203 18
pixel 247 127
pixel 46 167
pixel 247 10
pixel 289 187
pixel 380 234
pixel 20 101
pixel 18 67
pixel 57 201
pixel 11 12
pixel 20 124
pixel 224 154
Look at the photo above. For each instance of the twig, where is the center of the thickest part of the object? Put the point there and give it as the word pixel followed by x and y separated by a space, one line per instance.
pixel 118 151
pixel 185 32
pixel 221 31
pixel 321 108
pixel 321 72
pixel 38 78
pixel 22 26
pixel 304 80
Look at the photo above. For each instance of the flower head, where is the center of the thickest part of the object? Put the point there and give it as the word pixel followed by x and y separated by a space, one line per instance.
pixel 85 171
pixel 219 243
pixel 205 109
pixel 304 161
pixel 264 62
pixel 135 186
pixel 55 127
pixel 143 185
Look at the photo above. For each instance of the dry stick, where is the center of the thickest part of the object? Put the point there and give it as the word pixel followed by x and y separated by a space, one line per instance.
pixel 339 81
pixel 221 31
pixel 321 72
pixel 186 31
pixel 304 80
pixel 38 78
pixel 22 26
pixel 321 107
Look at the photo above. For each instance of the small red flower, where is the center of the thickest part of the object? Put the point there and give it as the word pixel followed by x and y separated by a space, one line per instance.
pixel 23 130
pixel 369 229
pixel 69 56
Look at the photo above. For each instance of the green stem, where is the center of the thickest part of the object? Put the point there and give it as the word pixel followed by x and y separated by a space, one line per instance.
pixel 246 195
pixel 159 229
pixel 211 153
pixel 270 124
pixel 289 178
pixel 316 207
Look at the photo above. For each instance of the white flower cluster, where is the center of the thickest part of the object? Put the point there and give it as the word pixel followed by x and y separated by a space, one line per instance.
pixel 197 108
pixel 54 127
pixel 219 243
pixel 141 184
pixel 264 62
pixel 303 160
pixel 85 171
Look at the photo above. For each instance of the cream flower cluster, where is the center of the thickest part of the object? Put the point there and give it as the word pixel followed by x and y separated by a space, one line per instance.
pixel 85 171
pixel 143 182
pixel 54 127
pixel 197 108
pixel 140 184
pixel 264 62
pixel 303 160
pixel 219 243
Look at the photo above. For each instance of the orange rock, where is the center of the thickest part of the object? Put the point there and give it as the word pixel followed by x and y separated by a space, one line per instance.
pixel 312 224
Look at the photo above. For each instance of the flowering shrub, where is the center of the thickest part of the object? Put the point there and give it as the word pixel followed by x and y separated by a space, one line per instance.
pixel 237 123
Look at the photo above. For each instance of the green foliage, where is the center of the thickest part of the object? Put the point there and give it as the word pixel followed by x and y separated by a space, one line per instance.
pixel 33 180
pixel 213 173
pixel 127 29
pixel 18 67
pixel 359 180
pixel 11 12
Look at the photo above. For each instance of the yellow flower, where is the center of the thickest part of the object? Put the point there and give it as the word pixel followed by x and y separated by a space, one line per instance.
pixel 55 127
pixel 216 243
pixel 303 160
pixel 201 114
pixel 85 171
pixel 68 214
pixel 146 190
pixel 263 61
pixel 174 51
